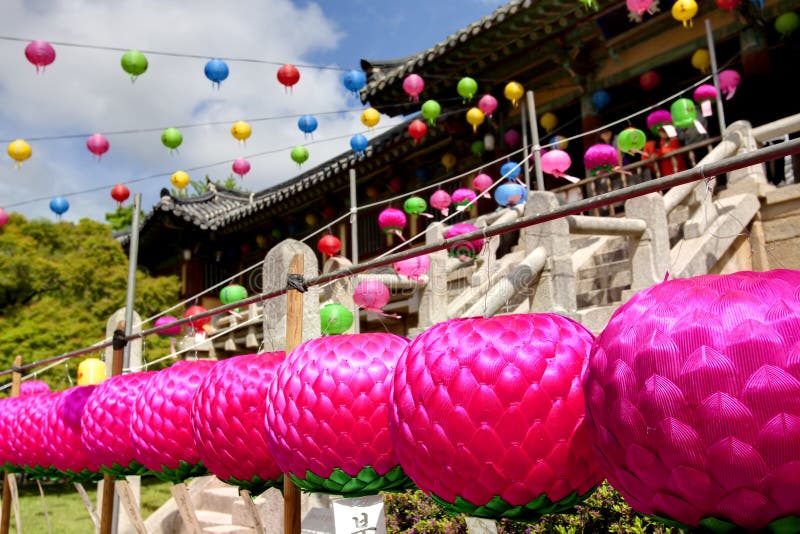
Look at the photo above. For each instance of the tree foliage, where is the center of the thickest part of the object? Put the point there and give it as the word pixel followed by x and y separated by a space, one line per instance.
pixel 60 282
pixel 122 218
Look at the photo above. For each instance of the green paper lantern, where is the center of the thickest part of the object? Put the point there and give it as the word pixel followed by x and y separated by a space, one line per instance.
pixel 787 23
pixel 335 319
pixel 467 87
pixel 414 206
pixel 631 139
pixel 431 111
pixel 171 138
pixel 299 154
pixel 477 148
pixel 134 63
pixel 232 293
pixel 683 113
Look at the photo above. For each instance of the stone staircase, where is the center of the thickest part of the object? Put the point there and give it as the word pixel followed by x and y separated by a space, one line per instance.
pixel 601 280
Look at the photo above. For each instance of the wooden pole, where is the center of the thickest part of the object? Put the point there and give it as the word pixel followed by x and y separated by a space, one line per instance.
pixel 107 510
pixel 294 335
pixel 5 520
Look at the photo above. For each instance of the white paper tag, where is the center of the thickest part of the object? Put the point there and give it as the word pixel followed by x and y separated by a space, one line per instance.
pixel 700 128
pixel 129 504
pixel 670 130
pixel 705 107
pixel 360 515
pixel 318 521
pixel 479 525
pixel 181 495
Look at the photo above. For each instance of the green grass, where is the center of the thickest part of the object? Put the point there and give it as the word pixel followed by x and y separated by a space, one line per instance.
pixel 66 510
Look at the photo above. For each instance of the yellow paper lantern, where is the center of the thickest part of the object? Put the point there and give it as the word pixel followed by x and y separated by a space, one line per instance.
pixel 475 117
pixel 449 161
pixel 683 11
pixel 311 220
pixel 701 60
pixel 91 372
pixel 370 117
pixel 180 179
pixel 19 151
pixel 241 131
pixel 548 121
pixel 514 92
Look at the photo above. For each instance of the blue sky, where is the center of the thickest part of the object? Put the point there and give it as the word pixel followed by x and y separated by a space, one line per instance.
pixel 85 91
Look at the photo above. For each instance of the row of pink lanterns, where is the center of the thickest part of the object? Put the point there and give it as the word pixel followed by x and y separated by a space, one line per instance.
pixel 690 410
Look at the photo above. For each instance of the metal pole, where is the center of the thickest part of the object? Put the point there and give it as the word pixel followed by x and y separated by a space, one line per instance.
pixel 354 241
pixel 715 75
pixel 525 154
pixel 537 151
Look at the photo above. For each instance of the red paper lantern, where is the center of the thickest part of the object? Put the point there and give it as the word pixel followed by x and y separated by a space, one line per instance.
pixel 288 75
pixel 329 245
pixel 649 80
pixel 417 130
pixel 199 323
pixel 120 193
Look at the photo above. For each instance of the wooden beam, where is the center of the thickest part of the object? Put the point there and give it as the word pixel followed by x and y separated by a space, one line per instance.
pixel 5 520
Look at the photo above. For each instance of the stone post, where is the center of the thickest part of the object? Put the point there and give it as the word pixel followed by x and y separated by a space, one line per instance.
pixel 434 300
pixel 340 291
pixel 649 253
pixel 751 179
pixel 276 266
pixel 117 320
pixel 555 291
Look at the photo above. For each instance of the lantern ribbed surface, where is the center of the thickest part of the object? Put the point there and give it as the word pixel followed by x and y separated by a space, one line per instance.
pixel 8 410
pixel 28 447
pixel 33 387
pixel 487 415
pixel 600 157
pixel 327 415
pixel 62 435
pixel 228 421
pixel 105 424
pixel 693 400
pixel 161 426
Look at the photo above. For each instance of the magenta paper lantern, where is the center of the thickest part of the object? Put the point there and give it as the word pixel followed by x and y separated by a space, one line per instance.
pixel 463 197
pixel 487 104
pixel 657 119
pixel 693 401
pixel 40 53
pixel 482 182
pixel 161 426
pixel 413 268
pixel 29 450
pixel 487 415
pixel 371 295
pixel 441 200
pixel 413 84
pixel 8 410
pixel 728 82
pixel 228 421
pixel 600 158
pixel 105 423
pixel 170 331
pixel 327 415
pixel 97 144
pixel 392 221
pixel 638 7
pixel 33 387
pixel 62 436
pixel 512 138
pixel 463 248
pixel 705 95
pixel 241 167
pixel 557 162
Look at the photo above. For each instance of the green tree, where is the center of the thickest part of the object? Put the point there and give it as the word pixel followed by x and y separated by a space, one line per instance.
pixel 122 218
pixel 201 187
pixel 59 283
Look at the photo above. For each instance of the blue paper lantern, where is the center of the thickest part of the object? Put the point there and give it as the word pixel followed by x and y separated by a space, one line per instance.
pixel 600 99
pixel 359 144
pixel 510 194
pixel 510 170
pixel 59 206
pixel 355 80
pixel 216 71
pixel 307 124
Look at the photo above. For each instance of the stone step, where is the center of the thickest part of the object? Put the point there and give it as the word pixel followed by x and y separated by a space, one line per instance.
pixel 228 529
pixel 604 271
pixel 600 297
pixel 219 499
pixel 207 518
pixel 610 256
pixel 609 279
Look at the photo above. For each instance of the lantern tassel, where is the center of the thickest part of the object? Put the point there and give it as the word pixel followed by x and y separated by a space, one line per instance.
pixel 397 233
pixel 380 312
pixel 572 179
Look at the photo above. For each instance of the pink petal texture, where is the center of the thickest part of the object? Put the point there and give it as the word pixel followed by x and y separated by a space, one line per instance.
pixel 327 407
pixel 493 407
pixel 161 427
pixel 105 423
pixel 8 411
pixel 228 418
pixel 62 435
pixel 28 446
pixel 709 426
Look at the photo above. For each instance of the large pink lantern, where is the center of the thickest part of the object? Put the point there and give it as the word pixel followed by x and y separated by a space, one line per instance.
pixel 693 401
pixel 487 104
pixel 241 167
pixel 327 415
pixel 413 268
pixel 462 248
pixel 105 423
pixel 40 53
pixel 62 435
pixel 600 158
pixel 161 427
pixel 441 200
pixel 97 144
pixel 228 421
pixel 487 415
pixel 413 84
pixel 29 450
pixel 728 82
pixel 392 221
pixel 557 162
pixel 482 183
pixel 33 387
pixel 463 198
pixel 8 410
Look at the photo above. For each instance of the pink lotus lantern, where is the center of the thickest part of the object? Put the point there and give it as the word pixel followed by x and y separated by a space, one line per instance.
pixel 97 145
pixel 413 268
pixel 557 162
pixel 482 183
pixel 372 295
pixel 705 95
pixel 487 104
pixel 33 387
pixel 161 428
pixel 392 221
pixel 463 249
pixel 228 421
pixel 28 446
pixel 463 198
pixel 241 167
pixel 600 158
pixel 62 436
pixel 105 423
pixel 512 138
pixel 441 200
pixel 487 415
pixel 658 119
pixel 693 401
pixel 8 410
pixel 170 332
pixel 327 415
pixel 728 82
pixel 638 7
pixel 413 84
pixel 3 217
pixel 40 53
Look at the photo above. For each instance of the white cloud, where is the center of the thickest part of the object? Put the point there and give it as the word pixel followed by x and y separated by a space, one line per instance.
pixel 87 91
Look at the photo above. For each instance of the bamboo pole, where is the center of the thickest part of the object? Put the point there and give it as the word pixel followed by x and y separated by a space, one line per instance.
pixel 5 520
pixel 107 510
pixel 294 335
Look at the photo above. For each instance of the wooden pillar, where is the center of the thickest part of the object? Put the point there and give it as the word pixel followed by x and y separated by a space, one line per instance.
pixel 5 520
pixel 107 512
pixel 294 336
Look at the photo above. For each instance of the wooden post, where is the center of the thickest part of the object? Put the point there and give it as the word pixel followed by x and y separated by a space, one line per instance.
pixel 294 335
pixel 5 521
pixel 107 510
